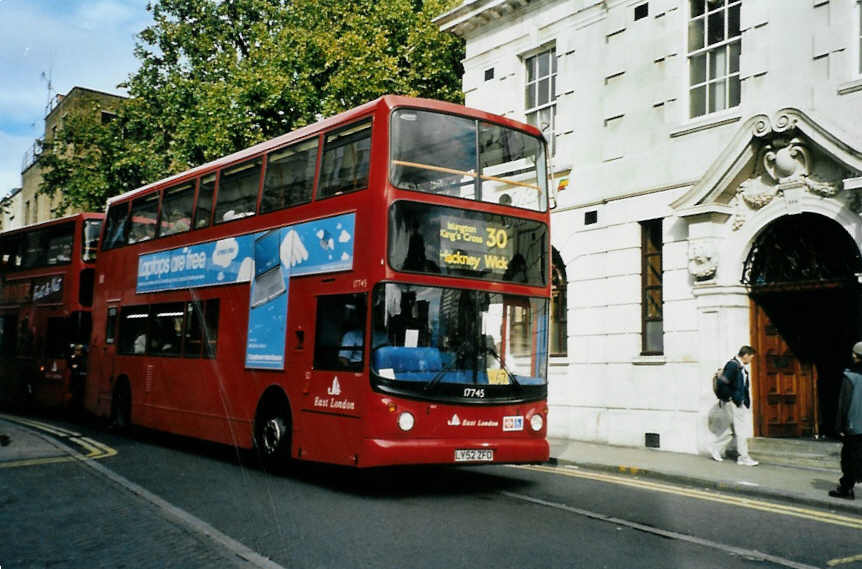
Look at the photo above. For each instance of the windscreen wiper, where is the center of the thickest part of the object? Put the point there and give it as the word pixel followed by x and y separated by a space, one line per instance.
pixel 493 352
pixel 443 371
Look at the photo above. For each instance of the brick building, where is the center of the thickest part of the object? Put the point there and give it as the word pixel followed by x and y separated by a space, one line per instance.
pixel 27 206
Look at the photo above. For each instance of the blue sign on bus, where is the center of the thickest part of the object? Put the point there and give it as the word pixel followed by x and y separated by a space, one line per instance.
pixel 267 260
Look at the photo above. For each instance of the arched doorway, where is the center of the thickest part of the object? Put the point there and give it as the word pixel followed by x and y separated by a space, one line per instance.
pixel 806 314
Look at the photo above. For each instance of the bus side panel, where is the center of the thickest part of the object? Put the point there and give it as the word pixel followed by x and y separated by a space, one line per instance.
pixel 193 398
pixel 331 427
pixel 329 438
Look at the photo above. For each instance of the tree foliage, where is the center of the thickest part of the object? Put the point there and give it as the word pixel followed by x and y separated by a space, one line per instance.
pixel 219 76
pixel 87 161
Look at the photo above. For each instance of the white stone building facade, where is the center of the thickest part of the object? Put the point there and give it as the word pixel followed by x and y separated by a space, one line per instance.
pixel 700 141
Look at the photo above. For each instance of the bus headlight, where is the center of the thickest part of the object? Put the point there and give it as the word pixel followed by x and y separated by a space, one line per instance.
pixel 536 422
pixel 406 421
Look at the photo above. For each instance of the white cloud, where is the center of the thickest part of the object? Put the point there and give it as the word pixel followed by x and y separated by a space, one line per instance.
pixel 106 13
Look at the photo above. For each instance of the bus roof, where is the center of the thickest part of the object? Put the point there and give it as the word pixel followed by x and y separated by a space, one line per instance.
pixel 57 221
pixel 387 101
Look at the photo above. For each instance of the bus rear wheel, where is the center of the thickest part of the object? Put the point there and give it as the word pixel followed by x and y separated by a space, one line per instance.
pixel 272 433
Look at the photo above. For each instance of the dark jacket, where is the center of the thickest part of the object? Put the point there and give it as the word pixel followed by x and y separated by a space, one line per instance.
pixel 737 383
pixel 849 417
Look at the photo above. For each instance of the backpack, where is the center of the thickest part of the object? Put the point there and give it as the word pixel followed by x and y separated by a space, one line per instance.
pixel 720 384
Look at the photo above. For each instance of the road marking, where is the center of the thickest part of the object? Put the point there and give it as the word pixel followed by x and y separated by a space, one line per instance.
pixel 843 560
pixel 742 552
pixel 245 556
pixel 53 429
pixel 95 450
pixel 750 503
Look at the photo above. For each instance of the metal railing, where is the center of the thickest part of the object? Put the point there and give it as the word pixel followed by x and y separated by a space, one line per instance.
pixel 31 155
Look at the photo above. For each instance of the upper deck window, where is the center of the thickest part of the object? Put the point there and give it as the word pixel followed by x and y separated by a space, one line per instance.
pixel 237 192
pixel 8 252
pixel 346 160
pixel 469 159
pixel 59 244
pixel 204 209
pixel 116 225
pixel 289 178
pixel 145 211
pixel 32 252
pixel 51 245
pixel 177 208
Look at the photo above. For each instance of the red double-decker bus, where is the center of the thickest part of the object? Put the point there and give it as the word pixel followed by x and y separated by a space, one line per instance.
pixel 46 296
pixel 368 290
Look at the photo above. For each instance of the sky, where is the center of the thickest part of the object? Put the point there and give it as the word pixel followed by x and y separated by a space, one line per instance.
pixel 83 43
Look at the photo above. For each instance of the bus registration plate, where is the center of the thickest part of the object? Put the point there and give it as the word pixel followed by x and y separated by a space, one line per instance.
pixel 474 455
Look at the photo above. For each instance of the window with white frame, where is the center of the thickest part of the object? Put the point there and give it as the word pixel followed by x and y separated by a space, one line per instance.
pixel 859 34
pixel 540 93
pixel 714 46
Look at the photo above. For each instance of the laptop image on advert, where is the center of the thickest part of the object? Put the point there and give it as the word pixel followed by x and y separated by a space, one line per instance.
pixel 269 278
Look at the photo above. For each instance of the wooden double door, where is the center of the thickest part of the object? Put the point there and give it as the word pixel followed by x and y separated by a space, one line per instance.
pixel 784 387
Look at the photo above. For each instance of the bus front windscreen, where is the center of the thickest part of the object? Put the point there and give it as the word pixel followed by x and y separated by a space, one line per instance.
pixel 460 345
pixel 467 158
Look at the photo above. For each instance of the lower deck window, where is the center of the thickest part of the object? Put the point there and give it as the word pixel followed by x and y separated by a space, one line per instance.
pixel 168 329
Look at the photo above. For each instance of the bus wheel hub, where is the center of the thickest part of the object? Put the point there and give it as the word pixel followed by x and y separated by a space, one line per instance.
pixel 273 432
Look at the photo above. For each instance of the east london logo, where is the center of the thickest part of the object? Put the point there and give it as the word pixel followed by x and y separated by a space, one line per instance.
pixel 49 287
pixel 334 391
pixel 457 421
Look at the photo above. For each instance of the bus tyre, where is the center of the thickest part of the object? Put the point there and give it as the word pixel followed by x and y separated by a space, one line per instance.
pixel 272 434
pixel 121 406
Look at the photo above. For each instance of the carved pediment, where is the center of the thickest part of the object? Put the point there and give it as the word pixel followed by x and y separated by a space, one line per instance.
pixel 783 161
pixel 767 156
pixel 767 160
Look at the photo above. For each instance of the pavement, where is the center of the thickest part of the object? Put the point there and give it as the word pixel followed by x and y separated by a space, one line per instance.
pixel 795 484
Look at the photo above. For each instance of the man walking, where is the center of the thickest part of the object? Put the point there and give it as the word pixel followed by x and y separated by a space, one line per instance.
pixel 848 423
pixel 735 403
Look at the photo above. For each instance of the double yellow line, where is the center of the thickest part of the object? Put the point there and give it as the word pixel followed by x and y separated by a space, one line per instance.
pixel 750 503
pixel 93 450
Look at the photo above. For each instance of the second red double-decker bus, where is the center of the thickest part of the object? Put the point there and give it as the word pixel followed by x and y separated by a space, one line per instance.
pixel 369 290
pixel 46 294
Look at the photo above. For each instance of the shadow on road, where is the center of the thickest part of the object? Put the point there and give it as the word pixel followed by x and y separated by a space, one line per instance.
pixel 395 481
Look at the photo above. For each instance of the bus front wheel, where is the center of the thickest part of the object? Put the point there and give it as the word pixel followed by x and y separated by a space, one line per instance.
pixel 272 433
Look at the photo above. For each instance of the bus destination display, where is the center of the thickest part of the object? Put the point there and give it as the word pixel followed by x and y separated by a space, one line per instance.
pixel 448 241
pixel 474 244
